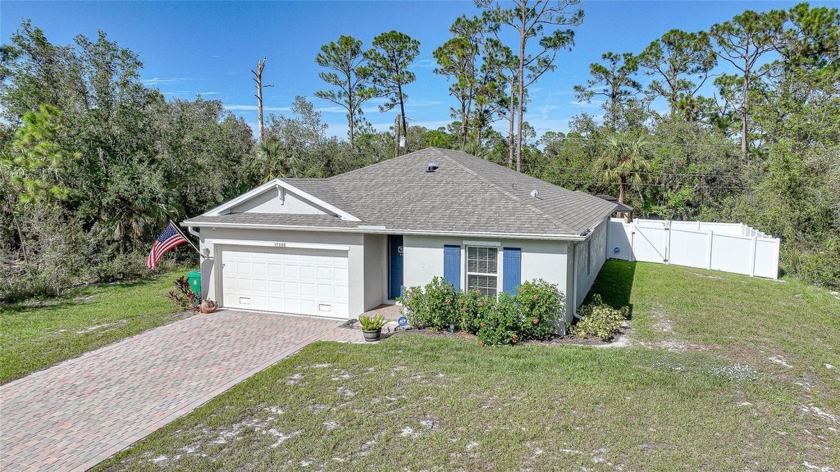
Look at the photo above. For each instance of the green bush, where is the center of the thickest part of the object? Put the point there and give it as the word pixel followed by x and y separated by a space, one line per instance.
pixel 543 307
pixel 435 306
pixel 501 324
pixel 599 319
pixel 534 313
pixel 474 307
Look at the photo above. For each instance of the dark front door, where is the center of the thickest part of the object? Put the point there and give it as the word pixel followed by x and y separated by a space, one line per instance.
pixel 395 264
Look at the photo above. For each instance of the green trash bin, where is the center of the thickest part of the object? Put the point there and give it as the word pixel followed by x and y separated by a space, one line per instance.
pixel 194 279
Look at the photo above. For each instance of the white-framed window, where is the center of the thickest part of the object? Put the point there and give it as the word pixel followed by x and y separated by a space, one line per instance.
pixel 483 269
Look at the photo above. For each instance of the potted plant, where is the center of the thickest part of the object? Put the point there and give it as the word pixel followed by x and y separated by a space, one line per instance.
pixel 372 327
pixel 207 306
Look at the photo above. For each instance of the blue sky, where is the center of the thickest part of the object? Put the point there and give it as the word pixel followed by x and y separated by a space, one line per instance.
pixel 208 48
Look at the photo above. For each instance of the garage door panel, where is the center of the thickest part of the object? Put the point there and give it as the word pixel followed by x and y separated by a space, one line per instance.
pixel 307 289
pixel 324 291
pixel 324 273
pixel 259 285
pixel 291 271
pixel 312 282
pixel 259 269
pixel 307 272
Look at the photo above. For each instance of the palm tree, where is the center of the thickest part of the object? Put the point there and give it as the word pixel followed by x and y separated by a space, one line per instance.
pixel 624 157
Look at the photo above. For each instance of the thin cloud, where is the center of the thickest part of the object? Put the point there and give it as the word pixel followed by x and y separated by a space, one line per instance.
pixel 424 63
pixel 254 108
pixel 584 104
pixel 163 80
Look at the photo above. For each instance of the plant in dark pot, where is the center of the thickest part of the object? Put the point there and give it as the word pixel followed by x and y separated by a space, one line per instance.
pixel 372 327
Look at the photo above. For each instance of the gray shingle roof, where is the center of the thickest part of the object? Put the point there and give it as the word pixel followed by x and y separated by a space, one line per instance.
pixel 466 194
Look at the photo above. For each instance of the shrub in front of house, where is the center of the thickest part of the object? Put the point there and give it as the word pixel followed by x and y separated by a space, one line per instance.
pixel 502 323
pixel 599 319
pixel 533 313
pixel 434 306
pixel 543 307
pixel 474 307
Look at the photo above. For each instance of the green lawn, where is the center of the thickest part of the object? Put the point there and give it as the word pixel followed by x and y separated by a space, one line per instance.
pixel 35 335
pixel 698 389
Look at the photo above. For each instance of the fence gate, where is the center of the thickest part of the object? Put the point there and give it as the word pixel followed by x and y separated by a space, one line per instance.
pixel 650 243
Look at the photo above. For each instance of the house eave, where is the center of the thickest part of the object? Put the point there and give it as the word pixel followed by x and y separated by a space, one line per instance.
pixel 383 230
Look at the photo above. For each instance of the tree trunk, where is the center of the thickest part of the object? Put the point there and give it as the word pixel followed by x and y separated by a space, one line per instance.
pixel 744 118
pixel 511 121
pixel 351 109
pixel 463 124
pixel 622 188
pixel 402 114
pixel 397 136
pixel 520 105
pixel 258 79
pixel 351 120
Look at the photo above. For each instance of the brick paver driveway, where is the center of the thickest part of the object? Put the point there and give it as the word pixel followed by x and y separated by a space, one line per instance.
pixel 82 411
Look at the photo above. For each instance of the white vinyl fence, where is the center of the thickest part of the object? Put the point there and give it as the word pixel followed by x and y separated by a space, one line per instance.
pixel 729 247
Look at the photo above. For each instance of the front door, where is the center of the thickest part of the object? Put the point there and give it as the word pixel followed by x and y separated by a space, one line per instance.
pixel 395 264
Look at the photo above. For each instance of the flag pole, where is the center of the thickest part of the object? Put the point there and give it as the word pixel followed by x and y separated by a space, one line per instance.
pixel 185 237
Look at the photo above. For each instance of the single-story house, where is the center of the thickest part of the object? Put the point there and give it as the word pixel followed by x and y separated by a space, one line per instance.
pixel 339 246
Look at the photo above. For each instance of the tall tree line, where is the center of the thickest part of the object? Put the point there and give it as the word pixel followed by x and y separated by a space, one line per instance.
pixel 740 122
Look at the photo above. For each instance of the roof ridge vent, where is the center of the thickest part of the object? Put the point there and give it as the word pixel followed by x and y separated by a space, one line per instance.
pixel 432 166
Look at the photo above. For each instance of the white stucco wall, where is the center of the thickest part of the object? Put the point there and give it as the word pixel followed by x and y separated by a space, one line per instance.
pixel 214 239
pixel 595 250
pixel 376 270
pixel 423 258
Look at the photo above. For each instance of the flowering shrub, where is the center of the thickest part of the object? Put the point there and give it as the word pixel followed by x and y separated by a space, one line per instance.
pixel 543 308
pixel 501 324
pixel 474 307
pixel 599 319
pixel 435 306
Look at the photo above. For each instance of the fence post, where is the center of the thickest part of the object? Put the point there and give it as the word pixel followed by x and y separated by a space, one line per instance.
pixel 668 242
pixel 753 254
pixel 709 250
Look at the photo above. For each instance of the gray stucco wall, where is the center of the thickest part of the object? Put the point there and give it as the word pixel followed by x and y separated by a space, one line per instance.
pixel 589 258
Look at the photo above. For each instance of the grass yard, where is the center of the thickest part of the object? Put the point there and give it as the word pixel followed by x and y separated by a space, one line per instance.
pixel 35 335
pixel 723 373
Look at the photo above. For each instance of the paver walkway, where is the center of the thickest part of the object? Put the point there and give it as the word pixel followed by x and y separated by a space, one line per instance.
pixel 74 415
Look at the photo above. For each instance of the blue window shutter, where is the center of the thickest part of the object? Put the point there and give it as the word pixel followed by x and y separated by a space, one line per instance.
pixel 452 265
pixel 512 269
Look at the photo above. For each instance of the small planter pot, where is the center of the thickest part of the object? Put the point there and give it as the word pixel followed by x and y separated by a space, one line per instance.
pixel 372 335
pixel 207 306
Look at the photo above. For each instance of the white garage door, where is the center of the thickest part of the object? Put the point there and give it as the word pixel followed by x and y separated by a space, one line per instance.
pixel 300 281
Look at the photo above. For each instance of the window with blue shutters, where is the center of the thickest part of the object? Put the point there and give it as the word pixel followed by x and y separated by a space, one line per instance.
pixel 483 269
pixel 511 269
pixel 452 265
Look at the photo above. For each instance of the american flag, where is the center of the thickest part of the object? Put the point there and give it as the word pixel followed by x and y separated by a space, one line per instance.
pixel 169 238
